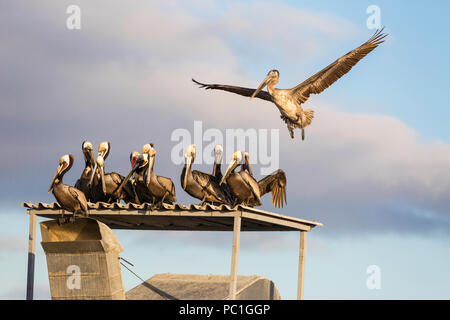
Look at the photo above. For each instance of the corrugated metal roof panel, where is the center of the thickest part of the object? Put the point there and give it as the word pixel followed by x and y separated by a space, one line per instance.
pixel 134 206
pixel 180 217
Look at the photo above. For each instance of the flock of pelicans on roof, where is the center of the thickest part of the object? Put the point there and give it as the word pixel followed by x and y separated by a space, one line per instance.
pixel 143 185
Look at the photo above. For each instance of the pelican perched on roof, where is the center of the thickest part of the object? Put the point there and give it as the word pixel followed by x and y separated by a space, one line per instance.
pixel 139 167
pixel 217 172
pixel 83 183
pixel 105 185
pixel 139 164
pixel 246 190
pixel 289 101
pixel 161 188
pixel 69 198
pixel 201 185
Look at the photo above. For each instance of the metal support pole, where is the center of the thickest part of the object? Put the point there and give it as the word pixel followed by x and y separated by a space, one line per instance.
pixel 301 265
pixel 235 256
pixel 31 256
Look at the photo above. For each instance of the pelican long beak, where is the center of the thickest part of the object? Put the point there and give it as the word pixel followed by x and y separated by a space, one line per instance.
pixel 248 166
pixel 188 169
pixel 102 175
pixel 261 86
pixel 93 173
pixel 233 164
pixel 102 153
pixel 58 171
pixel 132 171
pixel 91 156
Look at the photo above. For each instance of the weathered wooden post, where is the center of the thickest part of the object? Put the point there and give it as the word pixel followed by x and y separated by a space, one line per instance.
pixel 235 256
pixel 301 266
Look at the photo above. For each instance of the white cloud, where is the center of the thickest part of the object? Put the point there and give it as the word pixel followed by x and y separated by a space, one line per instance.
pixel 126 77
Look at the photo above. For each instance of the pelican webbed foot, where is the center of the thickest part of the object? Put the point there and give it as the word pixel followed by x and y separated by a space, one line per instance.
pixel 62 220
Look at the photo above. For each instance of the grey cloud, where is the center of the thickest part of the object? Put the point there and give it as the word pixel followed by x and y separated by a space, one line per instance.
pixel 126 79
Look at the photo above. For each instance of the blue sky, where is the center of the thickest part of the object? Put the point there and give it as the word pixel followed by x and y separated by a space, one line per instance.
pixel 373 169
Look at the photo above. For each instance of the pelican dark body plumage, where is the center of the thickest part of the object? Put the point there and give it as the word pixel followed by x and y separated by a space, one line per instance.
pixel 200 185
pixel 69 198
pixel 246 190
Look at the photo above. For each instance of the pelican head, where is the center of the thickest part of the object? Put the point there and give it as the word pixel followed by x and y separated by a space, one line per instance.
pixel 270 80
pixel 147 147
pixel 190 153
pixel 87 145
pixel 236 159
pixel 103 149
pixel 88 151
pixel 65 163
pixel 133 157
pixel 137 161
pixel 218 151
pixel 190 157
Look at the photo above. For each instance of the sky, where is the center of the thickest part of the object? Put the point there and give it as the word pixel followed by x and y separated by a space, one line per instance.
pixel 373 168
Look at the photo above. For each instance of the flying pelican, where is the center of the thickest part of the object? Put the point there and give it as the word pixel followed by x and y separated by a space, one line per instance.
pixel 161 188
pixel 201 185
pixel 69 198
pixel 83 183
pixel 289 101
pixel 246 189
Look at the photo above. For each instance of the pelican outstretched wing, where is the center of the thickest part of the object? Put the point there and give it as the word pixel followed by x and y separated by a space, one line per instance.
pixel 247 92
pixel 325 78
pixel 275 183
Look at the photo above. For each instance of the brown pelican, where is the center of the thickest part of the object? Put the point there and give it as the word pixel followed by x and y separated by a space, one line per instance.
pixel 94 184
pixel 139 165
pixel 104 186
pixel 201 185
pixel 217 172
pixel 246 190
pixel 289 101
pixel 162 188
pixel 69 198
pixel 83 183
pixel 140 187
